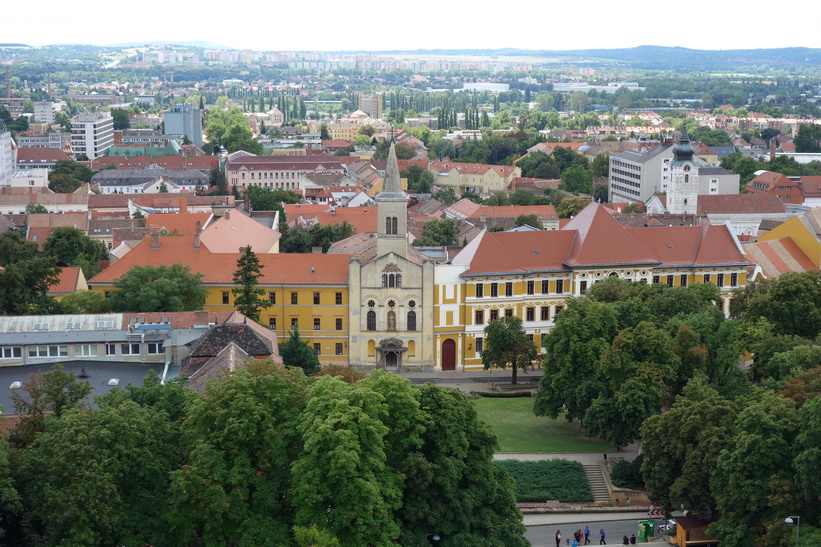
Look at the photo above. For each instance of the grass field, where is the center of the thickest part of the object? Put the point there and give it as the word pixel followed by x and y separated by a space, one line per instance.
pixel 519 430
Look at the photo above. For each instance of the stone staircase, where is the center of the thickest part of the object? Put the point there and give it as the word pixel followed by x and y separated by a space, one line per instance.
pixel 597 484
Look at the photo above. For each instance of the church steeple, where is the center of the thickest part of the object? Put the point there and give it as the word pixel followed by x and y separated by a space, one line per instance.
pixel 392 207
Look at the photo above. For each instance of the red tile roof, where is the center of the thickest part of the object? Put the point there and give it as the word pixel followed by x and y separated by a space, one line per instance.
pixel 34 156
pixel 218 268
pixel 67 282
pixel 183 223
pixel 171 162
pixel 602 240
pixel 520 252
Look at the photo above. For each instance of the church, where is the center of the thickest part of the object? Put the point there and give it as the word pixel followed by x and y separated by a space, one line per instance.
pixel 390 288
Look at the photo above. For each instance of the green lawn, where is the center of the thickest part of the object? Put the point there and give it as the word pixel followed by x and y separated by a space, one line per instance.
pixel 519 430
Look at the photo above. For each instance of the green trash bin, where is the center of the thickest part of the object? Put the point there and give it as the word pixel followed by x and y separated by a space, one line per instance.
pixel 646 530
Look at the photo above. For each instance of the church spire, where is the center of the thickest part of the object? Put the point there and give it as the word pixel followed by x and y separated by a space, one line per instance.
pixel 392 183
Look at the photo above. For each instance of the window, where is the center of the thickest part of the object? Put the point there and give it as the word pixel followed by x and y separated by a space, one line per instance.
pixel 494 315
pixel 225 297
pixel 480 290
pixel 40 326
pixel 733 280
pixel 294 323
pixel 706 278
pixel 669 280
pixel 272 298
pixel 683 280
pixel 155 348
pixel 48 351
pixel 656 279
pixel 545 313
pixel 130 349
pixel 545 286
pixel 530 314
pixel 85 350
pixel 494 290
pixel 480 345
pixel 294 299
pixel 371 320
pixel 508 289
pixel 316 299
pixel 558 310
pixel 111 349
pixel 316 323
pixel 531 287
pixel 508 312
pixel 11 352
pixel 411 320
pixel 338 323
pixel 582 287
pixel 720 280
pixel 74 325
pixel 272 323
pixel 318 348
pixel 559 286
pixel 339 348
pixel 339 299
pixel 479 317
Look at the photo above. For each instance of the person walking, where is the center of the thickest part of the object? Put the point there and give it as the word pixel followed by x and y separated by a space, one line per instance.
pixel 625 541
pixel 558 538
pixel 587 535
pixel 601 537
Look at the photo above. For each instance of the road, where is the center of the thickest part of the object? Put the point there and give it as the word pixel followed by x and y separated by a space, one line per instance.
pixel 544 535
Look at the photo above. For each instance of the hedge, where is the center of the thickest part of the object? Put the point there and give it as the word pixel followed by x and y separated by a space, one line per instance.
pixel 545 480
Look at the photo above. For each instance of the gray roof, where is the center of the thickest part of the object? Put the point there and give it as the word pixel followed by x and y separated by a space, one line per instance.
pixel 133 177
pixel 714 171
pixel 643 157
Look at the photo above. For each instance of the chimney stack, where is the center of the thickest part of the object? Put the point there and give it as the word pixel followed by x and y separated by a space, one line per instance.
pixel 227 215
pixel 772 149
pixel 197 240
pixel 247 202
pixel 199 227
pixel 155 241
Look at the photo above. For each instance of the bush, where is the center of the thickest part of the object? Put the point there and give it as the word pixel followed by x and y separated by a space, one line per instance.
pixel 627 474
pixel 504 394
pixel 560 480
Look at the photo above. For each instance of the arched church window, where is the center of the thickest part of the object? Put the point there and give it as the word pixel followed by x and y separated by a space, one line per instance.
pixel 398 280
pixel 411 320
pixel 686 178
pixel 388 225
pixel 395 223
pixel 391 280
pixel 371 320
pixel 384 280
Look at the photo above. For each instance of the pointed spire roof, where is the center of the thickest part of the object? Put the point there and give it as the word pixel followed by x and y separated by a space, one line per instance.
pixel 392 187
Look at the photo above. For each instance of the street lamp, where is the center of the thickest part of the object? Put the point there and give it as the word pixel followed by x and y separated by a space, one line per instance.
pixel 789 520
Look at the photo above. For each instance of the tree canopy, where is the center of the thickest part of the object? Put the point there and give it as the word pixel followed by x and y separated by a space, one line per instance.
pixel 158 288
pixel 506 344
pixel 248 296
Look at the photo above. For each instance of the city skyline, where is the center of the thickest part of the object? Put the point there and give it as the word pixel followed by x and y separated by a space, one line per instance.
pixel 431 25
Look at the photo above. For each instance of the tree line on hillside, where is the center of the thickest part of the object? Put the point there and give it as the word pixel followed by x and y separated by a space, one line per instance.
pixel 635 361
pixel 264 455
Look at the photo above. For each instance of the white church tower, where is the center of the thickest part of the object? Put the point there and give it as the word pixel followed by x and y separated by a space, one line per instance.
pixel 683 195
pixel 392 208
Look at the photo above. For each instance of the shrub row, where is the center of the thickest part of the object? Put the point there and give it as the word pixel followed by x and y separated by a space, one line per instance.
pixel 504 394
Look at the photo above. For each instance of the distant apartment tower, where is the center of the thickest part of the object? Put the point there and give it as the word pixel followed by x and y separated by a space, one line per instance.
pixel 185 120
pixel 92 133
pixel 371 105
pixel 7 159
pixel 44 112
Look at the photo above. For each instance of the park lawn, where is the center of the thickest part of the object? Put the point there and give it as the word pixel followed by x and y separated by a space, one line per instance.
pixel 519 430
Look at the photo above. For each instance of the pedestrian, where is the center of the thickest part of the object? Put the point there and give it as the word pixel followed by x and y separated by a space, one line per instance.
pixel 627 502
pixel 601 537
pixel 567 541
pixel 574 544
pixel 625 541
pixel 577 535
pixel 586 535
pixel 633 539
pixel 558 538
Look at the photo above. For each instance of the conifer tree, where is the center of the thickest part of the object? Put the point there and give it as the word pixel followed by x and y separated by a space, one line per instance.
pixel 248 297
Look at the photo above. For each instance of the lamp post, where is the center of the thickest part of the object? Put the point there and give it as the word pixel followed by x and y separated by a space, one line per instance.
pixel 789 520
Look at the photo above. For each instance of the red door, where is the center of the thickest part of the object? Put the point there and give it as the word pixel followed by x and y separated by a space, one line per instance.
pixel 448 355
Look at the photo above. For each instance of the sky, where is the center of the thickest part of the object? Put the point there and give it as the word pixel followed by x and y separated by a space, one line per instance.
pixel 327 25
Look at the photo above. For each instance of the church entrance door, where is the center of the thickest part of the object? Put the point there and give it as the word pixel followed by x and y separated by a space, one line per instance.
pixel 448 355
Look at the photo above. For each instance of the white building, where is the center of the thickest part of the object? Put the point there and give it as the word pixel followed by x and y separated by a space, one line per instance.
pixel 92 134
pixel 44 112
pixel 486 86
pixel 31 178
pixel 7 156
pixel 185 120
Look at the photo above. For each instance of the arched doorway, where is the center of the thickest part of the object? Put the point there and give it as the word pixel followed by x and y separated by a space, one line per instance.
pixel 448 355
pixel 391 360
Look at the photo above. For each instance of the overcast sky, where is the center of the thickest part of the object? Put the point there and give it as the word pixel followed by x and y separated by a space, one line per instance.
pixel 325 25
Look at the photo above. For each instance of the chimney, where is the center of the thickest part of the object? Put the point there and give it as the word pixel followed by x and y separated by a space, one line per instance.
pixel 227 215
pixel 316 250
pixel 199 227
pixel 200 318
pixel 197 240
pixel 155 241
pixel 772 149
pixel 482 217
pixel 247 202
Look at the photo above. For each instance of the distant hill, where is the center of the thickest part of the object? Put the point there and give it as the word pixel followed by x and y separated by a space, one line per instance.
pixel 195 43
pixel 13 45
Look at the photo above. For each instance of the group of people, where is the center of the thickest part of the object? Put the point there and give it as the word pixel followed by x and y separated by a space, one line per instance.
pixel 578 535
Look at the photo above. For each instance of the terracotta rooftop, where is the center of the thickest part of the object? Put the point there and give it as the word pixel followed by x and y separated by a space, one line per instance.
pixel 779 256
pixel 68 281
pixel 234 230
pixel 520 252
pixel 736 204
pixel 183 223
pixel 602 240
pixel 34 156
pixel 218 268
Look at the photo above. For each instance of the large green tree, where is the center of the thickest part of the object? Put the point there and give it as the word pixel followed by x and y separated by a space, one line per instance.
pixel 158 288
pixel 296 352
pixel 72 247
pixel 506 344
pixel 248 296
pixel 808 138
pixel 438 233
pixel 24 284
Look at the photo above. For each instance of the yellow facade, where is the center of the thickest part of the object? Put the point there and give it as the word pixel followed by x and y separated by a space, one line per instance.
pixel 804 238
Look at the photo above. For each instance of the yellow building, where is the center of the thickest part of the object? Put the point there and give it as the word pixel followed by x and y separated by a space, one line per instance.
pixel 305 291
